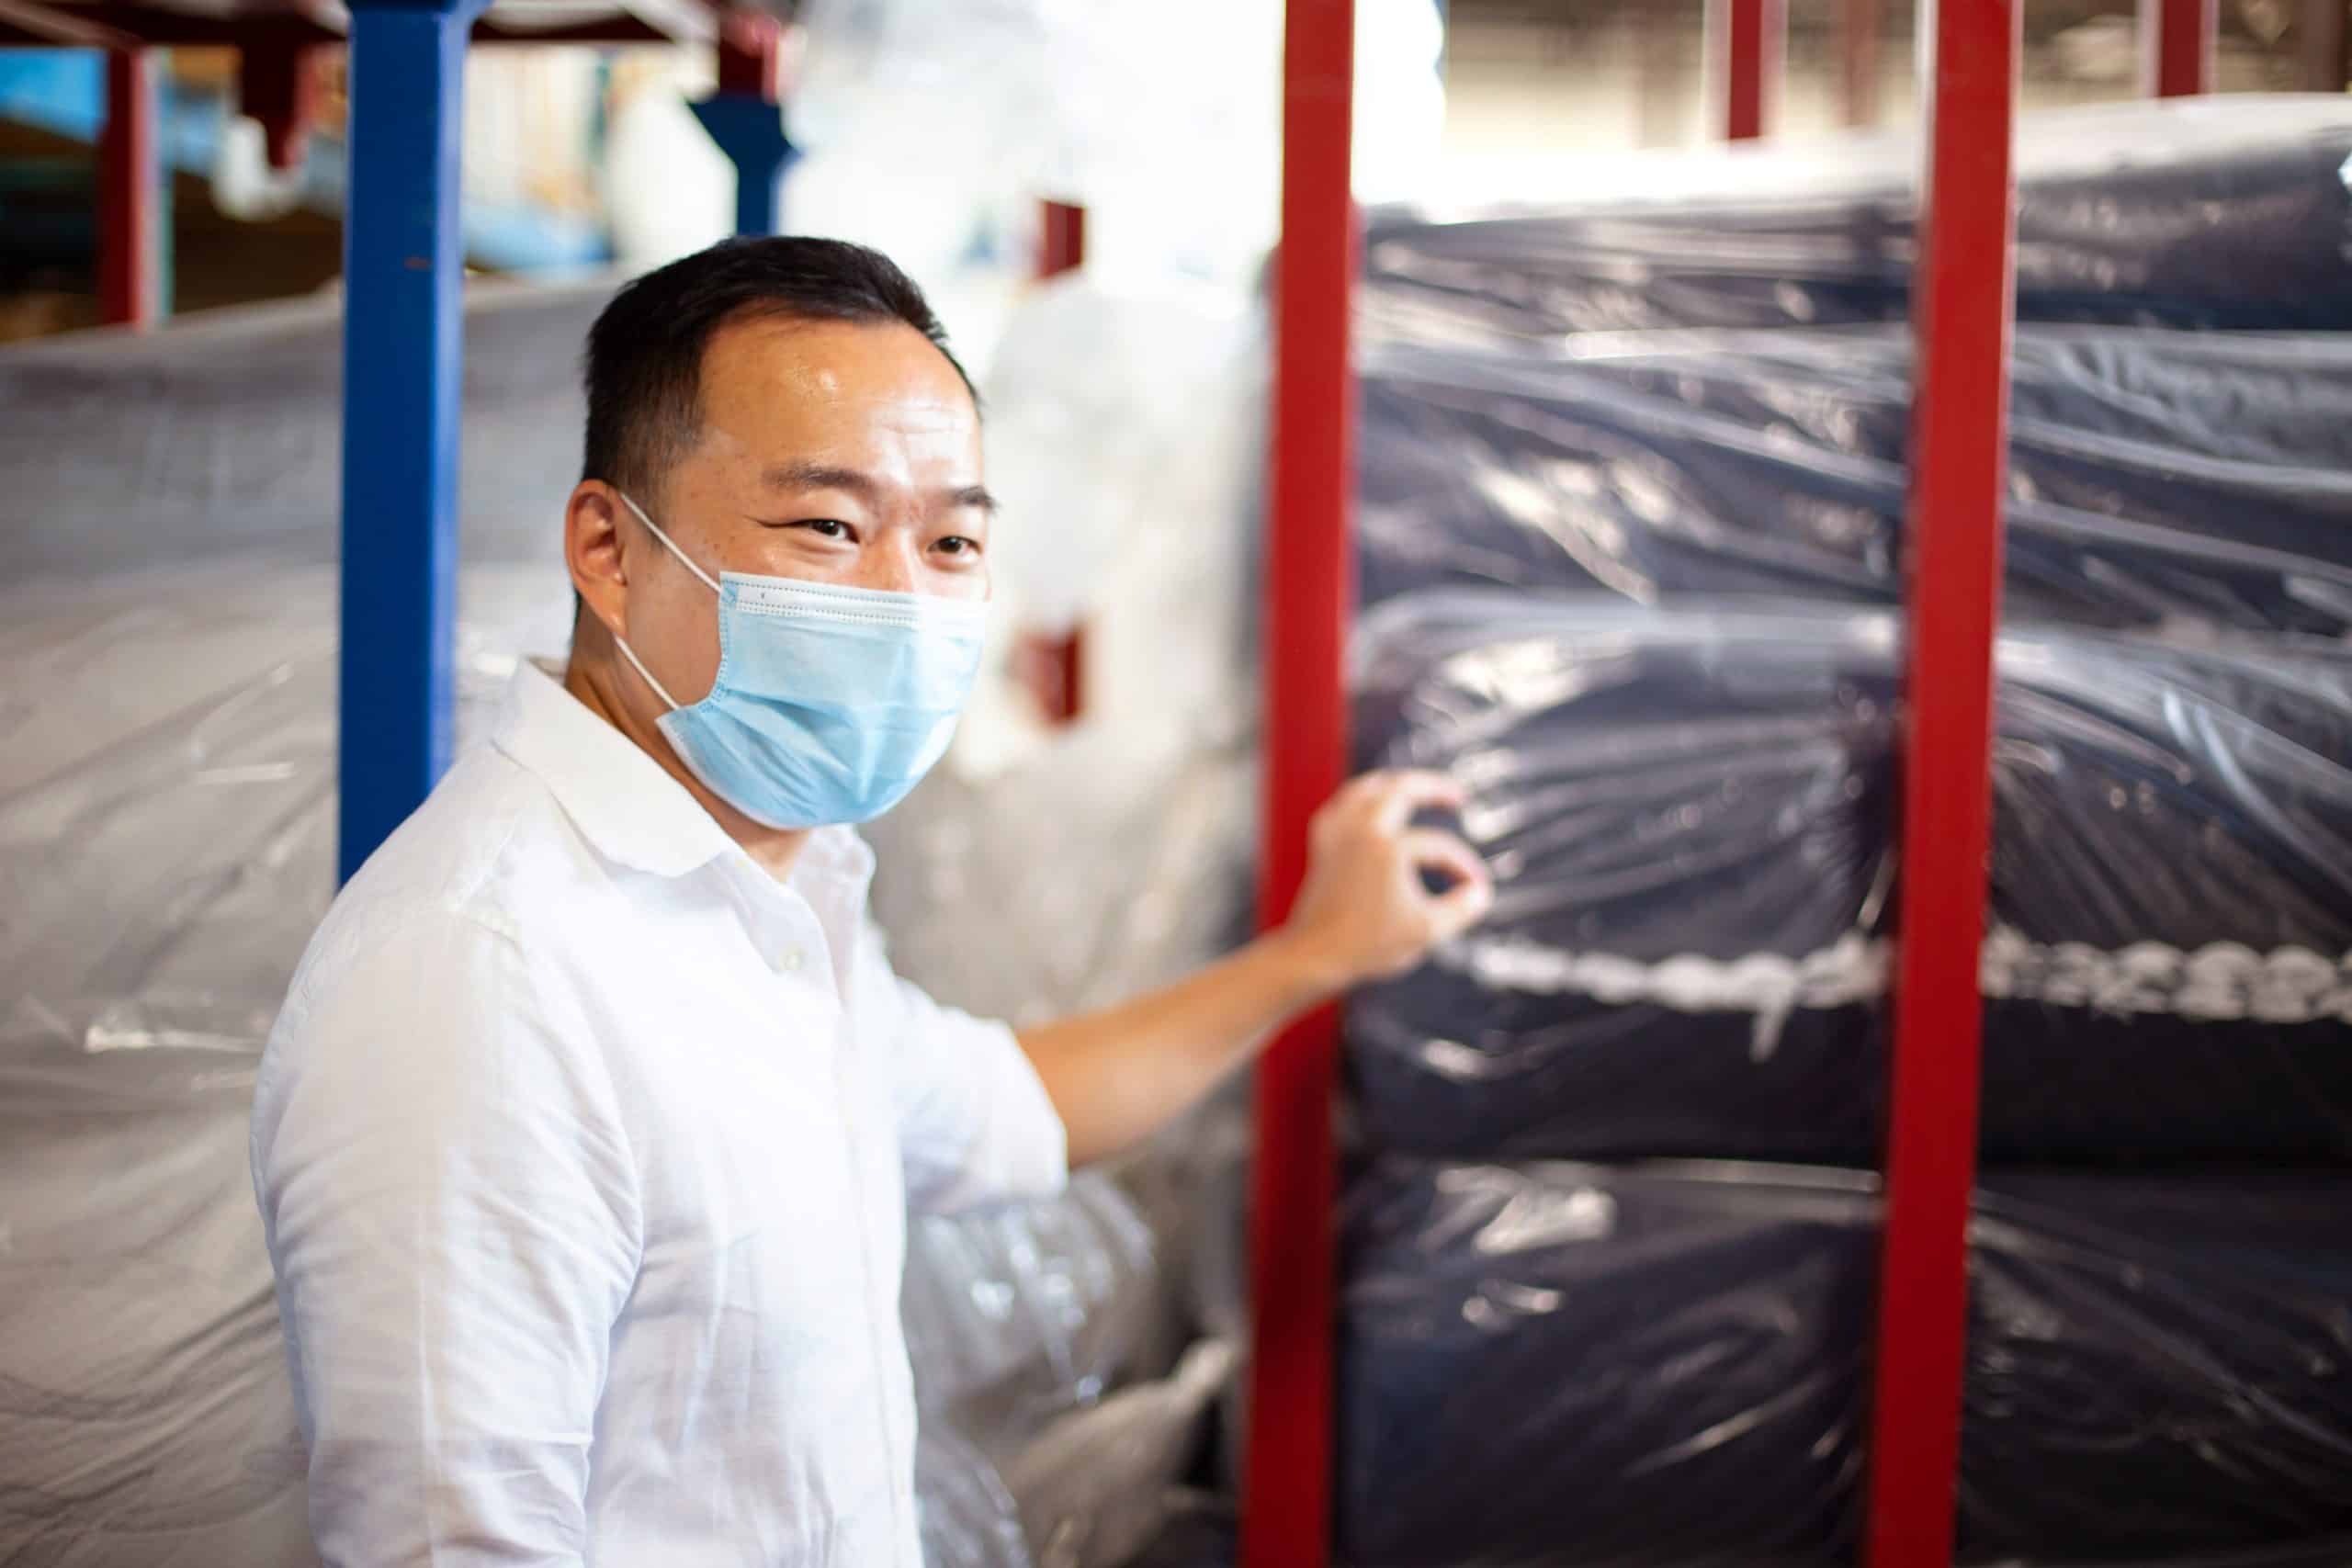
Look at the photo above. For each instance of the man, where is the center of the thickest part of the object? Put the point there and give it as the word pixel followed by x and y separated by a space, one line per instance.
pixel 584 1140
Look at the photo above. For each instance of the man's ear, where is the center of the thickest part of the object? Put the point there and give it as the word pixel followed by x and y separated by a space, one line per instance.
pixel 595 552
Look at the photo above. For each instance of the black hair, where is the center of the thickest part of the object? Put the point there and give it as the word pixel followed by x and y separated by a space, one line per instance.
pixel 643 365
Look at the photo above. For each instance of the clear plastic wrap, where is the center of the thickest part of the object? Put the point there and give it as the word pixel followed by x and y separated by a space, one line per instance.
pixel 1100 1485
pixel 966 1516
pixel 1689 818
pixel 146 1414
pixel 1667 1364
pixel 167 802
pixel 2157 479
pixel 2209 213
pixel 1018 1315
pixel 1563 1366
pixel 133 452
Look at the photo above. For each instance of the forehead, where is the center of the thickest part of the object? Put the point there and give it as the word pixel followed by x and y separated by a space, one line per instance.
pixel 862 392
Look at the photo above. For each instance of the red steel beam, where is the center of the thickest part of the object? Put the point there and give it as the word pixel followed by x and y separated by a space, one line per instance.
pixel 130 192
pixel 1746 41
pixel 750 55
pixel 1054 668
pixel 2177 38
pixel 1962 309
pixel 1286 1484
pixel 1063 245
pixel 1858 56
pixel 278 84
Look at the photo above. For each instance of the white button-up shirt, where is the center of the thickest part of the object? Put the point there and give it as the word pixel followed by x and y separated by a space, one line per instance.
pixel 583 1147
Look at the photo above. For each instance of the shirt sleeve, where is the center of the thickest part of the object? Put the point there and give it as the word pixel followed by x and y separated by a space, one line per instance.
pixel 974 1122
pixel 451 1211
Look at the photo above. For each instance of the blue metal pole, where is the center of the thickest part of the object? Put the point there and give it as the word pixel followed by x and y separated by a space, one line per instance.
pixel 749 130
pixel 402 279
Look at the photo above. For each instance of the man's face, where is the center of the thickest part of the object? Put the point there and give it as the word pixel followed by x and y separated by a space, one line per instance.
pixel 847 454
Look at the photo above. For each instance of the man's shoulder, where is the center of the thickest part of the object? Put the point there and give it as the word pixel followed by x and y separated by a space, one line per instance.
pixel 488 859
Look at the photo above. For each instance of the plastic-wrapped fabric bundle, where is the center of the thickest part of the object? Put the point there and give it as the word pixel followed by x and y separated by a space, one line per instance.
pixel 1017 1314
pixel 167 799
pixel 223 435
pixel 2156 478
pixel 2211 212
pixel 966 1517
pixel 1690 820
pixel 1564 1366
pixel 146 1412
pixel 1666 1364
pixel 1100 1486
pixel 2158 1366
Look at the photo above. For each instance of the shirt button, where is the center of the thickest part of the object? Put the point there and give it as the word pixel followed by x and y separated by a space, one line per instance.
pixel 791 961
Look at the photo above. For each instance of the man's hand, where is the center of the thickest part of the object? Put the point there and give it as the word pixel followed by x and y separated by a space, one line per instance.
pixel 1364 912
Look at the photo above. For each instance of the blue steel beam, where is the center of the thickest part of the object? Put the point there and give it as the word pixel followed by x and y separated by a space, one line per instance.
pixel 749 130
pixel 402 279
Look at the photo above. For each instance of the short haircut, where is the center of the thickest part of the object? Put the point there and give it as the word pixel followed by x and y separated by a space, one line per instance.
pixel 644 354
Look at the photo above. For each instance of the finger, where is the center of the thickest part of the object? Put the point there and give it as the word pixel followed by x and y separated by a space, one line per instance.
pixel 1412 790
pixel 1462 905
pixel 1439 851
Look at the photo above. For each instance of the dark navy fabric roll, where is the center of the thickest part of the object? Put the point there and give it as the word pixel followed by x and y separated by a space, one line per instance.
pixel 1691 820
pixel 1662 1364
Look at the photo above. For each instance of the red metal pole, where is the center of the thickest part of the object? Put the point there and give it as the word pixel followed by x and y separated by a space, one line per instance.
pixel 2177 38
pixel 1063 248
pixel 1962 311
pixel 129 196
pixel 1746 42
pixel 1054 668
pixel 1858 60
pixel 1286 1486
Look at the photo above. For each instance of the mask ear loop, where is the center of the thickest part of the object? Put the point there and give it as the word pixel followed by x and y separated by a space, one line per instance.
pixel 668 542
pixel 671 545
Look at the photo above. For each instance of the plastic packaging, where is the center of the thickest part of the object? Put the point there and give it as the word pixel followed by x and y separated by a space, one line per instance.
pixel 1690 819
pixel 1568 1365
pixel 222 437
pixel 146 1412
pixel 167 805
pixel 966 1516
pixel 1019 1313
pixel 2157 480
pixel 1100 1485
pixel 2209 213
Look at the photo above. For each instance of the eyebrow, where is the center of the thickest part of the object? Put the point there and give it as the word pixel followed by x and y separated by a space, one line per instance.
pixel 827 476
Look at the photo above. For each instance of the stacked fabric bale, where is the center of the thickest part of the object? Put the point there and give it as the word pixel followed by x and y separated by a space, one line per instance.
pixel 1632 506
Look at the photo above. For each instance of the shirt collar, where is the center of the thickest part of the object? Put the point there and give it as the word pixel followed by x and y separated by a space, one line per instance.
pixel 620 799
pixel 629 808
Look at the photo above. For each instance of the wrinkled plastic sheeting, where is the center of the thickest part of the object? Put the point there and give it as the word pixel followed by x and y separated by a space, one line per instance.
pixel 127 451
pixel 2159 480
pixel 2206 212
pixel 167 794
pixel 1019 1313
pixel 1120 421
pixel 987 906
pixel 1689 818
pixel 145 1407
pixel 1101 1486
pixel 1562 1364
pixel 966 1517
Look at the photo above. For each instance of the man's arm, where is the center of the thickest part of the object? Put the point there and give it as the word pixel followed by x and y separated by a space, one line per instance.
pixel 1363 914
pixel 451 1211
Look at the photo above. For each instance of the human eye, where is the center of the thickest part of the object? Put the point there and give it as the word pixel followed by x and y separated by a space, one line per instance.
pixel 831 529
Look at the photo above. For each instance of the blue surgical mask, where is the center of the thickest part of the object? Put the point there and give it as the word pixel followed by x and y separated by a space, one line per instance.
pixel 829 704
